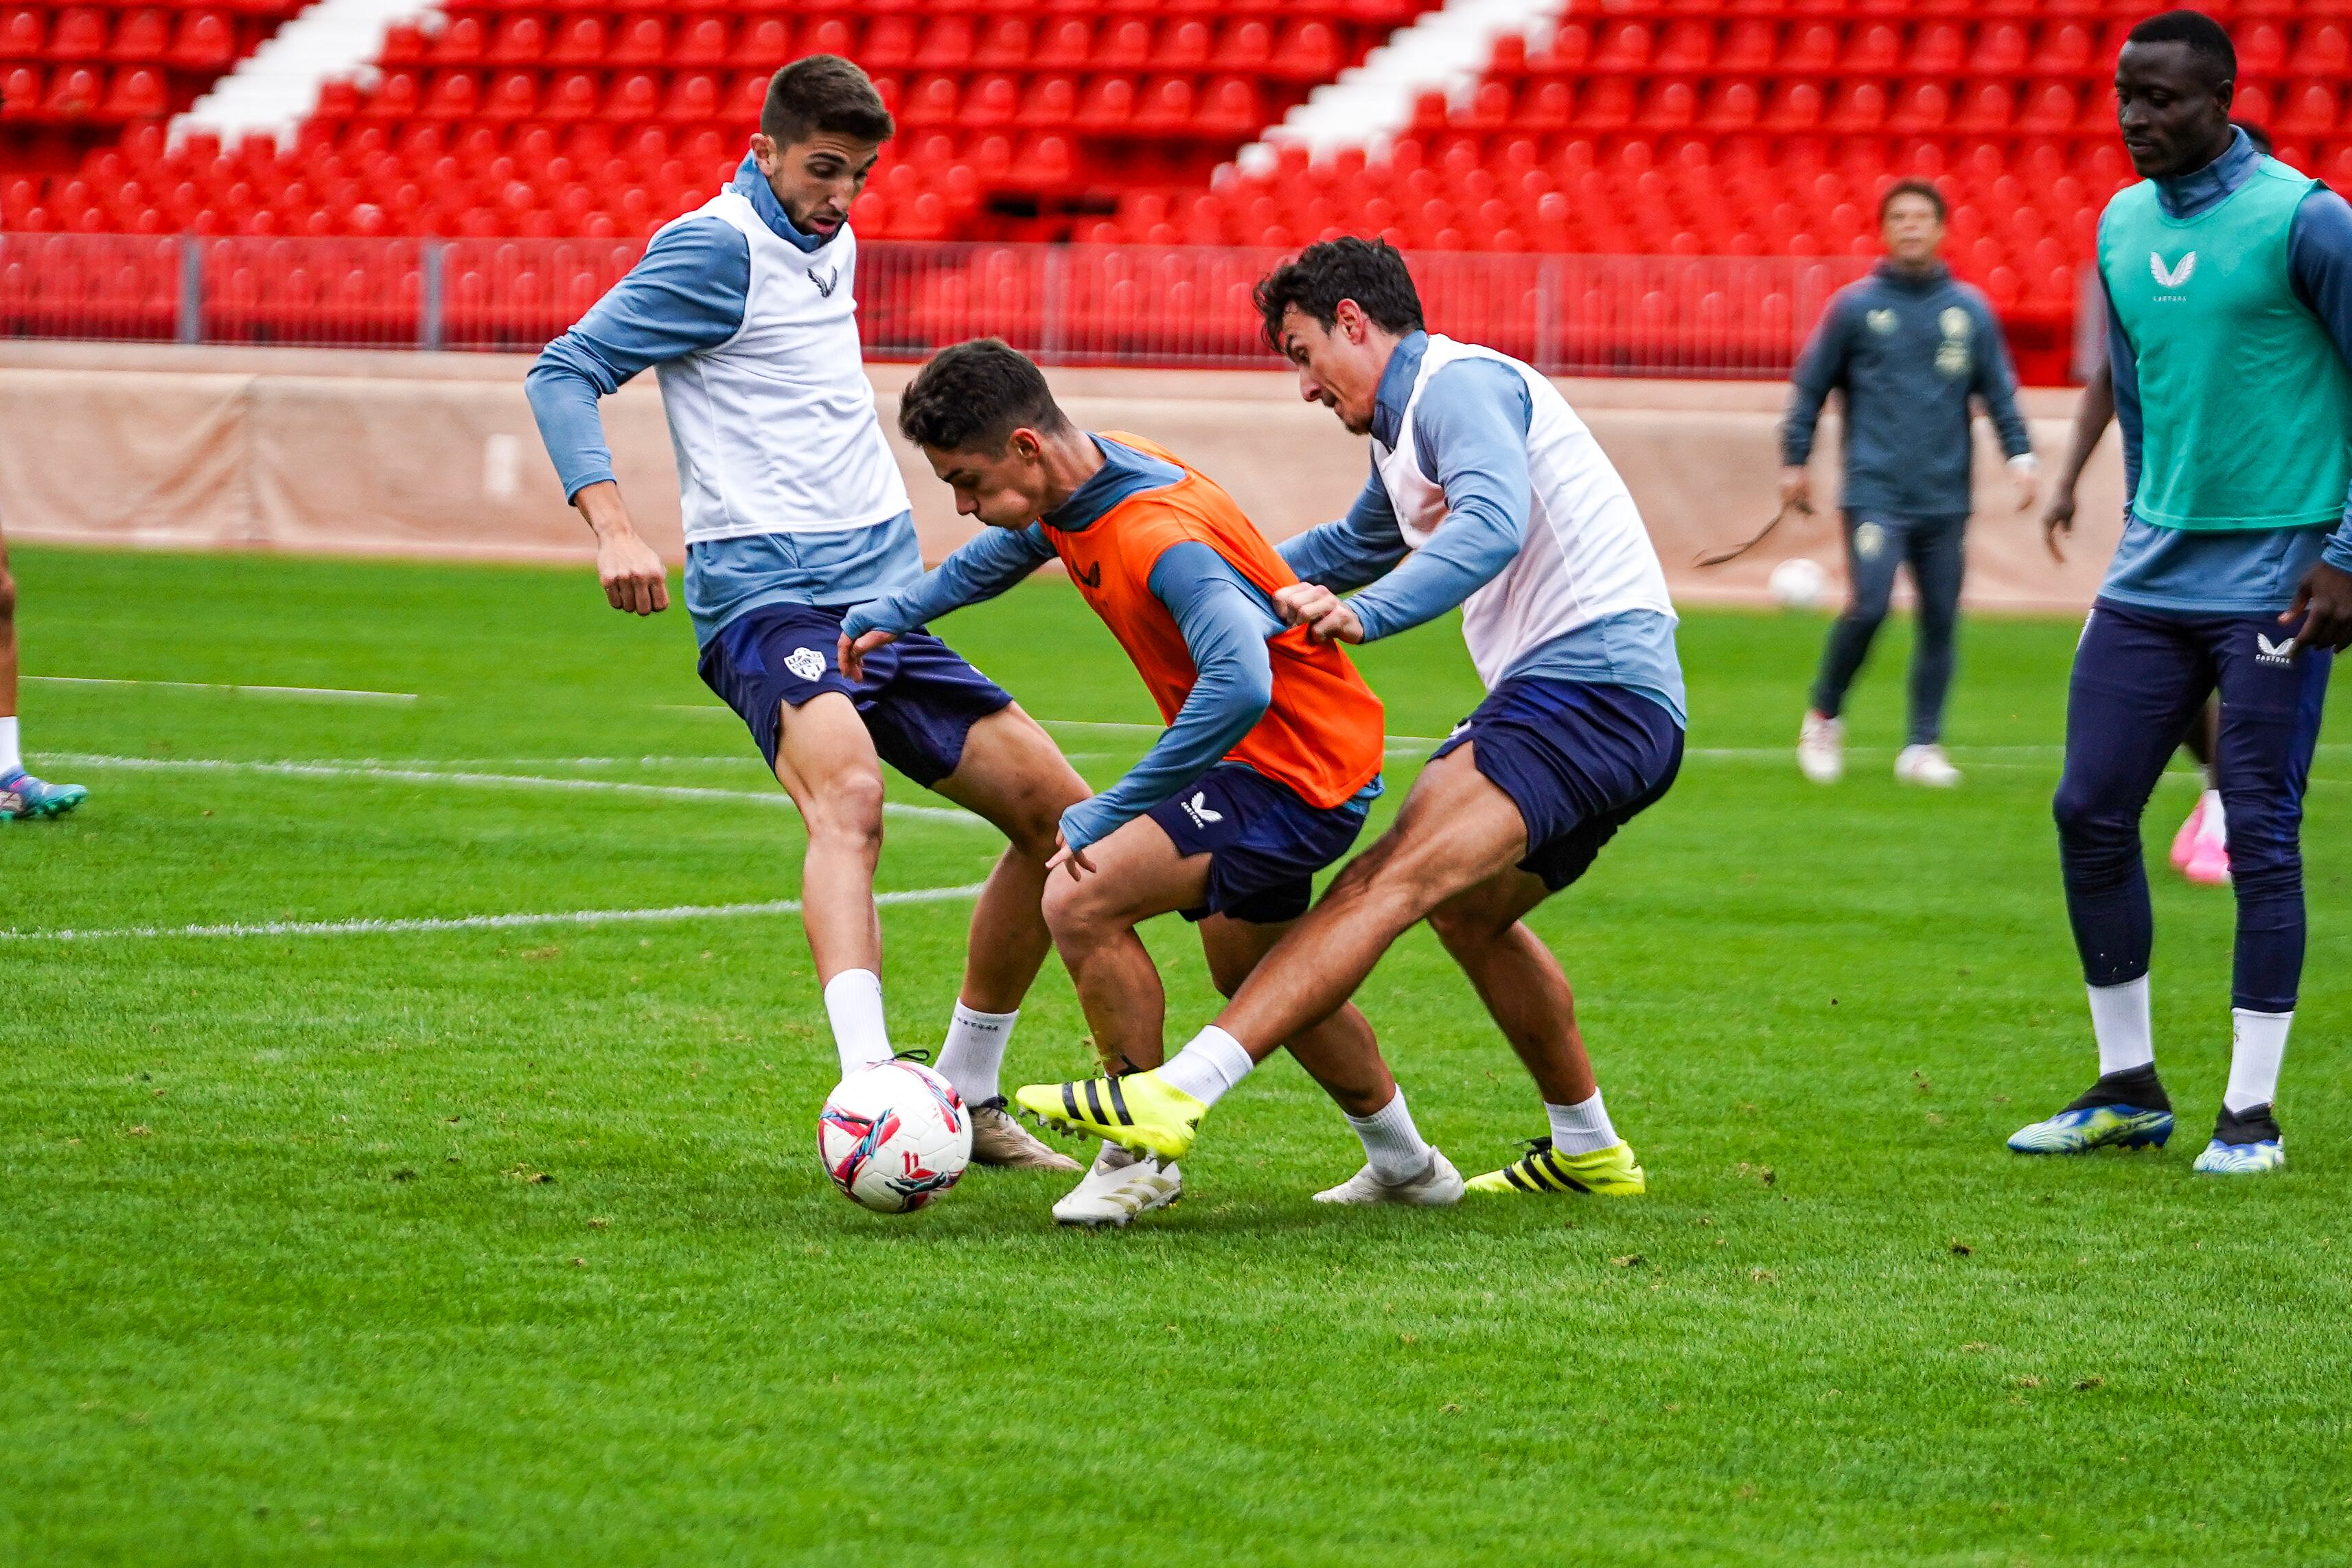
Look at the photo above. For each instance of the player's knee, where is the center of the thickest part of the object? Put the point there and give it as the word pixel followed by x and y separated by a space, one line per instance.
pixel 1462 927
pixel 848 811
pixel 1078 913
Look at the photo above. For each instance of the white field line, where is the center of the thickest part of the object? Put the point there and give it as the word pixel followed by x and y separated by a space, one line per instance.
pixel 510 781
pixel 299 693
pixel 478 922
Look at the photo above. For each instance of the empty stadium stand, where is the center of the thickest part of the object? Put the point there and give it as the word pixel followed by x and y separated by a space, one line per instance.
pixel 1672 129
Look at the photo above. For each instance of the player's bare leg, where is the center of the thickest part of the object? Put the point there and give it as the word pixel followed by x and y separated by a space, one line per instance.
pixel 1012 774
pixel 1516 975
pixel 1138 875
pixel 1456 830
pixel 1339 1052
pixel 827 763
pixel 21 795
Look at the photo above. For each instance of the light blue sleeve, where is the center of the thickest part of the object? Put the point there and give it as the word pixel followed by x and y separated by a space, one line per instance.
pixel 1225 623
pixel 686 293
pixel 2319 261
pixel 1472 434
pixel 1358 549
pixel 980 568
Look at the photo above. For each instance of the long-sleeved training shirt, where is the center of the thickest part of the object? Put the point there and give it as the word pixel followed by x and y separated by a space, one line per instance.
pixel 1470 434
pixel 2233 570
pixel 1224 618
pixel 688 293
pixel 1908 350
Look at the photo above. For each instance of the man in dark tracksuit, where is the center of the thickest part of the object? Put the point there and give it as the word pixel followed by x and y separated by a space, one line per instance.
pixel 1910 345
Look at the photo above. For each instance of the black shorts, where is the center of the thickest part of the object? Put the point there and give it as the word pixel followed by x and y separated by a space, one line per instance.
pixel 1579 760
pixel 917 695
pixel 1265 844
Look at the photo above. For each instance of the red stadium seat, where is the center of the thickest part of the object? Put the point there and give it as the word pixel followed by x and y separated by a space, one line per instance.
pixel 767 43
pixel 1875 50
pixel 890 44
pixel 1244 45
pixel 2311 110
pixel 2000 51
pixel 705 41
pixel 137 92
pixel 1748 49
pixel 1860 108
pixel 21 88
pixel 571 96
pixel 520 39
pixel 2051 106
pixel 2261 50
pixel 693 99
pixel 947 43
pixel 1124 46
pixel 1009 42
pixel 462 42
pixel 142 35
pixel 1108 104
pixel 933 101
pixel 635 98
pixel 73 94
pixel 23 34
pixel 1165 104
pixel 514 95
pixel 80 35
pixel 1547 105
pixel 2323 49
pixel 1069 42
pixel 1736 107
pixel 1989 107
pixel 1937 49
pixel 992 101
pixel 1689 47
pixel 1051 100
pixel 1796 108
pixel 644 41
pixel 204 41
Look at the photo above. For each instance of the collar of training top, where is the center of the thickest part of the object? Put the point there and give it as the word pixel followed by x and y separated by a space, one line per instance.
pixel 1396 388
pixel 1125 472
pixel 753 186
pixel 1935 277
pixel 2186 195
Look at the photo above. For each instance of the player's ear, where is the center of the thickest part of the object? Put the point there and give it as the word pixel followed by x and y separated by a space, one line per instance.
pixel 765 152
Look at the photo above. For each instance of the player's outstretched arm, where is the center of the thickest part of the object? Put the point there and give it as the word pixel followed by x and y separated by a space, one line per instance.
pixel 1471 435
pixel 979 569
pixel 1352 550
pixel 1225 623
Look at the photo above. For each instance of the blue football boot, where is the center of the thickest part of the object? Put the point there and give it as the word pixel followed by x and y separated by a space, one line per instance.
pixel 2126 1110
pixel 2246 1143
pixel 25 797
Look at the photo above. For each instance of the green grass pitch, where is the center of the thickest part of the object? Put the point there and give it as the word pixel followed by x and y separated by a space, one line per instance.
pixel 280 1281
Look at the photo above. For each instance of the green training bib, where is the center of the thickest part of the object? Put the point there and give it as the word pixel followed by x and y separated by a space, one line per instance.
pixel 2245 404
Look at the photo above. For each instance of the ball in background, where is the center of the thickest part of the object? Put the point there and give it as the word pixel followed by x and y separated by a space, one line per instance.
pixel 894 1136
pixel 1799 583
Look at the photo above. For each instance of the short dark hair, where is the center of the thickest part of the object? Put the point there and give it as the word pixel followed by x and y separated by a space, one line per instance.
pixel 824 92
pixel 1369 272
pixel 971 397
pixel 2208 41
pixel 1914 188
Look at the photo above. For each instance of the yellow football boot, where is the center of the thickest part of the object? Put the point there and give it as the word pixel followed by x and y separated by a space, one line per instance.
pixel 1612 1172
pixel 1138 1113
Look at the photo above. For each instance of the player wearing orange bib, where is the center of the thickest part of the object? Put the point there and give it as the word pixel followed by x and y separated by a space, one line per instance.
pixel 1271 755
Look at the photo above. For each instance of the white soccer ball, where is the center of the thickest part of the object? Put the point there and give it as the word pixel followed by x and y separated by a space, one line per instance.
pixel 1799 583
pixel 894 1136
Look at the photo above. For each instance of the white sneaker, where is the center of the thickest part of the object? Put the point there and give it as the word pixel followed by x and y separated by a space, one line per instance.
pixel 1821 749
pixel 1119 1187
pixel 1925 765
pixel 1434 1188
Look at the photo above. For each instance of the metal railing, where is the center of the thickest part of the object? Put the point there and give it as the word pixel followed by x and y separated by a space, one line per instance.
pixel 1075 304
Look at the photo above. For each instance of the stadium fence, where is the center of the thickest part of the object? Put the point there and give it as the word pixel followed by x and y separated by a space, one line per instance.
pixel 1176 307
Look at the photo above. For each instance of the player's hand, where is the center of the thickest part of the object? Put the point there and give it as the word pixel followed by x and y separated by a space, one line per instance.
pixel 1796 487
pixel 2322 611
pixel 2025 483
pixel 1327 616
pixel 2058 521
pixel 850 655
pixel 632 571
pixel 1065 858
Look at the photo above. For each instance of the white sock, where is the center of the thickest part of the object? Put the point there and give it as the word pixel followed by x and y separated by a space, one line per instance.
pixel 1582 1128
pixel 1211 1065
pixel 852 1000
pixel 11 762
pixel 974 1050
pixel 2119 1022
pixel 2257 1041
pixel 2214 829
pixel 1392 1144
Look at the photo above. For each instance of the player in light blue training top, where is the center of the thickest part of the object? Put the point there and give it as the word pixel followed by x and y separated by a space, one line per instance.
pixel 794 512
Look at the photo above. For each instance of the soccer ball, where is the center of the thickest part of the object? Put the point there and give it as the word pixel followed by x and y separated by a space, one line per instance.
pixel 894 1136
pixel 1798 584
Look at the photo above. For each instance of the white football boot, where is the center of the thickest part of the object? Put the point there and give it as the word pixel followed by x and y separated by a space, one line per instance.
pixel 1925 765
pixel 1119 1186
pixel 998 1140
pixel 1434 1188
pixel 1821 749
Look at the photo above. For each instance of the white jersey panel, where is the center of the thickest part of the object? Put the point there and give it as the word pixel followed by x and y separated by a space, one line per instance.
pixel 774 429
pixel 1586 556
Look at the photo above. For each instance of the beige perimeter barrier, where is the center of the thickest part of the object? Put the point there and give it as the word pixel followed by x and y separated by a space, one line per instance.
pixel 436 455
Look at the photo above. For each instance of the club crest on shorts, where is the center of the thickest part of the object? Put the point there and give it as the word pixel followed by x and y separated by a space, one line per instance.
pixel 2268 652
pixel 806 662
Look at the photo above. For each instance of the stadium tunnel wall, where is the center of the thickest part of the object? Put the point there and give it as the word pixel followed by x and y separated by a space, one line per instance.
pixel 436 456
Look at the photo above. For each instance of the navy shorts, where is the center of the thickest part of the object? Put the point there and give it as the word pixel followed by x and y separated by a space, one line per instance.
pixel 917 695
pixel 1580 760
pixel 1264 843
